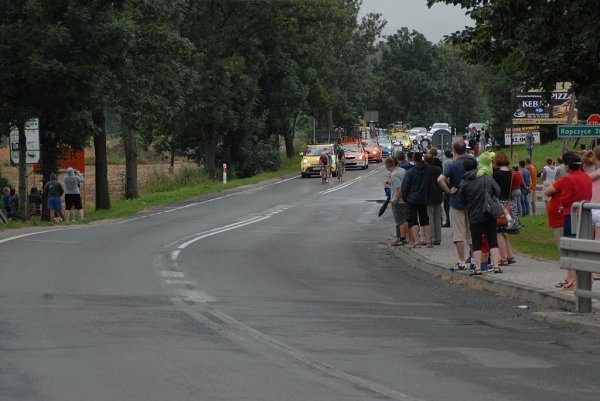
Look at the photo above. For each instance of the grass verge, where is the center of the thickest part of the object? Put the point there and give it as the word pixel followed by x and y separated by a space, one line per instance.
pixel 126 207
pixel 536 239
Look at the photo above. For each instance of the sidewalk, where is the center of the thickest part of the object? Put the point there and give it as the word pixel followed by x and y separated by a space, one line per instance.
pixel 529 279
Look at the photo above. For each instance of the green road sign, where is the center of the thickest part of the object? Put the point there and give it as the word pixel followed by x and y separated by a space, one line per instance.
pixel 578 131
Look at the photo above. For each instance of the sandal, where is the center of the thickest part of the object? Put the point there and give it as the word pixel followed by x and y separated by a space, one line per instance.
pixel 497 270
pixel 511 260
pixel 569 285
pixel 429 245
pixel 415 245
pixel 476 272
pixel 561 284
pixel 503 262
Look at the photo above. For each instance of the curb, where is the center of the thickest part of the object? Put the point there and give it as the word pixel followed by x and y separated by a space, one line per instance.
pixel 584 323
pixel 485 282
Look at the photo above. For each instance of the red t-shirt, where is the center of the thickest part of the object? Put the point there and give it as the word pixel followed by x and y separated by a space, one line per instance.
pixel 577 188
pixel 555 217
pixel 517 180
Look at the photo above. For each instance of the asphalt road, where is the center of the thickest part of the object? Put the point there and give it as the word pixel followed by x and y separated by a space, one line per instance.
pixel 284 291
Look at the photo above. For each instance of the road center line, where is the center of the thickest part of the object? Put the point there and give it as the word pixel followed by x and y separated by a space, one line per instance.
pixel 349 183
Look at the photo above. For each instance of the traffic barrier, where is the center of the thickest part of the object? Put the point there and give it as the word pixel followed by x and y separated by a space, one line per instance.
pixel 582 254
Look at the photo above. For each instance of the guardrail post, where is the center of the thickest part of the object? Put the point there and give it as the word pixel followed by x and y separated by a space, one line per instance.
pixel 584 279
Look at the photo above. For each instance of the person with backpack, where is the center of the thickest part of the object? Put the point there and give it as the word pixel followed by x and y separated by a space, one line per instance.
pixel 415 191
pixel 54 192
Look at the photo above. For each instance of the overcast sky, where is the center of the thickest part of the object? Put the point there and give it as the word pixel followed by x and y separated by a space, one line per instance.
pixel 434 22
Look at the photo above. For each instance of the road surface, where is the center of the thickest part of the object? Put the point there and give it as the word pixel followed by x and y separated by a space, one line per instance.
pixel 283 291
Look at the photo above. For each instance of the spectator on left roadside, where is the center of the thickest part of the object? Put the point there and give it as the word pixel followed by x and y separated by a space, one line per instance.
pixel 435 199
pixel 531 196
pixel 13 204
pixel 517 183
pixel 5 197
pixel 415 191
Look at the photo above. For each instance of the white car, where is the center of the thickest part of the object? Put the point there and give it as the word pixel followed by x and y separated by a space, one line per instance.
pixel 438 126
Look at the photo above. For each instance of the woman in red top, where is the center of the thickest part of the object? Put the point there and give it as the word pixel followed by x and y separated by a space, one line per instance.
pixel 575 187
pixel 517 182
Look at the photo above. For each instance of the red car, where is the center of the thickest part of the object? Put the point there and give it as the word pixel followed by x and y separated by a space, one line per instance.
pixel 356 155
pixel 373 147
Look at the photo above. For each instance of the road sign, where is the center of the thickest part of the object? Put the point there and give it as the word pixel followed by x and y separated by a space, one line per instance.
pixel 594 119
pixel 578 131
pixel 32 135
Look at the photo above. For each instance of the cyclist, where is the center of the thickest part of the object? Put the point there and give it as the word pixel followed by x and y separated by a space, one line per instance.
pixel 330 164
pixel 341 157
pixel 324 162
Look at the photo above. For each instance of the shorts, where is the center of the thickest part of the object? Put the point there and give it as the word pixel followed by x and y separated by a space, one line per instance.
pixel 399 211
pixel 531 196
pixel 459 221
pixel 596 217
pixel 54 203
pixel 417 214
pixel 73 201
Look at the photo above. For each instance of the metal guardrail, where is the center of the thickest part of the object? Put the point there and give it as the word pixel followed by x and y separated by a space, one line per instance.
pixel 582 254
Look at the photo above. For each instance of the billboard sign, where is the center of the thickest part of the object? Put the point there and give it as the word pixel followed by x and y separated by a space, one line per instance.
pixel 519 135
pixel 32 135
pixel 531 108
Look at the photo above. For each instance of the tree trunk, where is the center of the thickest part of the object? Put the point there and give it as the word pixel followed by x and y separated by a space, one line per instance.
pixel 23 212
pixel 48 160
pixel 172 161
pixel 210 153
pixel 100 162
pixel 131 157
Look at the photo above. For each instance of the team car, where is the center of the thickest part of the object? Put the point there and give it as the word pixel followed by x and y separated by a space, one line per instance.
pixel 374 150
pixel 309 166
pixel 356 155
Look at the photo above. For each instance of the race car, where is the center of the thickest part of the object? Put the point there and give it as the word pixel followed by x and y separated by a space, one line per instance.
pixel 356 155
pixel 374 150
pixel 309 166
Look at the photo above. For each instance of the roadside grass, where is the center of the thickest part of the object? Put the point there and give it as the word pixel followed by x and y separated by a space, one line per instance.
pixel 172 191
pixel 540 152
pixel 536 239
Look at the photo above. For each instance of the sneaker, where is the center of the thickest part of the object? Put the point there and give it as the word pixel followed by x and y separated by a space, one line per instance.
pixel 437 242
pixel 458 266
pixel 398 242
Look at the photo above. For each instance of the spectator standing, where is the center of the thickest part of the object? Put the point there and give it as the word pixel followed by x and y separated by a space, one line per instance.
pixel 531 196
pixel 575 187
pixel 5 198
pixel 403 163
pixel 589 164
pixel 13 204
pixel 525 189
pixel 54 192
pixel 35 202
pixel 398 206
pixel 504 178
pixel 447 161
pixel 436 197
pixel 595 176
pixel 415 192
pixel 560 169
pixel 481 222
pixel 517 184
pixel 73 202
pixel 459 222
pixel 548 177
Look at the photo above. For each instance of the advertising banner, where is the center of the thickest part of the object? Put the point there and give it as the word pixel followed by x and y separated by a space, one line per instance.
pixel 520 135
pixel 32 135
pixel 531 108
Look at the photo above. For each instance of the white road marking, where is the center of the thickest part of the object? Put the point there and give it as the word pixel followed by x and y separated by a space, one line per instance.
pixel 199 297
pixel 220 230
pixel 52 241
pixel 347 184
pixel 174 254
pixel 180 282
pixel 2 241
pixel 171 274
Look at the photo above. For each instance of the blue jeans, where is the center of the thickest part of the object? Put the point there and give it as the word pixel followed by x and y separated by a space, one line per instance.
pixel 525 206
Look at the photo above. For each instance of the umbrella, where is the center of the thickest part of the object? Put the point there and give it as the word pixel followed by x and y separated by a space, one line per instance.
pixel 384 206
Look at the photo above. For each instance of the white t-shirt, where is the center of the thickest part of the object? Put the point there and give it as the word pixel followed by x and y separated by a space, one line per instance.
pixel 396 178
pixel 550 174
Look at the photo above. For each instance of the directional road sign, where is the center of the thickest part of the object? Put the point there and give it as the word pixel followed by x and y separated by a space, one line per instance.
pixel 578 131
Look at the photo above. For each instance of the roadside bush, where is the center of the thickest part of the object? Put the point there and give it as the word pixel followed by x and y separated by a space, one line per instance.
pixel 257 158
pixel 185 177
pixel 3 182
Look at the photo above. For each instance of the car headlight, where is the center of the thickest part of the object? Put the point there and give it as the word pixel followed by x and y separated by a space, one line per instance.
pixel 305 161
